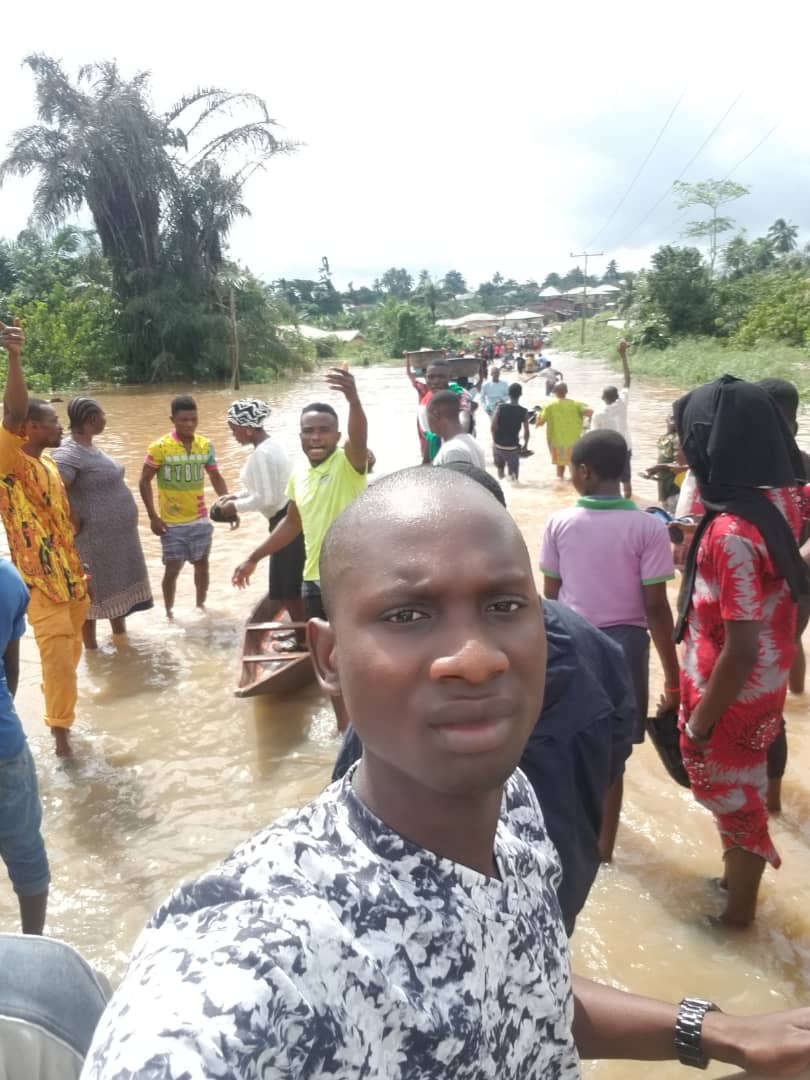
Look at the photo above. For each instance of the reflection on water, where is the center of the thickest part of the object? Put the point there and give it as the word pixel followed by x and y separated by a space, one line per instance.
pixel 171 771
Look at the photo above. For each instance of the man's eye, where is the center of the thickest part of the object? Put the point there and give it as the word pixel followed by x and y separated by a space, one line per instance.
pixel 506 607
pixel 406 615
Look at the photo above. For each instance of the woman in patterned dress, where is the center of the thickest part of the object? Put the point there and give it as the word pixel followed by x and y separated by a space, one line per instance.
pixel 107 514
pixel 738 617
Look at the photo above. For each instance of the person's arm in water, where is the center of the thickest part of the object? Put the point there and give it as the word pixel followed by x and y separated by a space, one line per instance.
pixel 661 627
pixel 15 399
pixel 625 365
pixel 737 660
pixel 11 662
pixel 156 522
pixel 610 1023
pixel 356 449
pixel 284 533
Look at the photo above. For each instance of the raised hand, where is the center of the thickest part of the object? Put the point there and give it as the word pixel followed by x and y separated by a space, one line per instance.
pixel 339 379
pixel 12 338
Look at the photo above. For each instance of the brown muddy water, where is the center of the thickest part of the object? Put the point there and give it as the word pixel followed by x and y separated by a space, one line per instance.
pixel 171 771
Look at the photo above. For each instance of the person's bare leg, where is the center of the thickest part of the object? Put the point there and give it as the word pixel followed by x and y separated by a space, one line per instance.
pixel 171 573
pixel 118 626
pixel 560 472
pixel 611 812
pixel 797 671
pixel 62 742
pixel 201 580
pixel 32 912
pixel 743 874
pixel 89 634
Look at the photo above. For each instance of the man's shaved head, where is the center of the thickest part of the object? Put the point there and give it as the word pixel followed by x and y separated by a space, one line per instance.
pixel 416 494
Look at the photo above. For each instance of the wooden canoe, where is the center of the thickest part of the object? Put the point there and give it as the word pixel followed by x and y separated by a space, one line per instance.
pixel 265 670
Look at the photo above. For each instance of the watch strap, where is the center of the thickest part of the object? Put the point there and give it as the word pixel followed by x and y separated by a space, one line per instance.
pixel 688 1031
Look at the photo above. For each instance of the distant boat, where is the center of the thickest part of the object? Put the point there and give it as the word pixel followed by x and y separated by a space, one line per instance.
pixel 267 665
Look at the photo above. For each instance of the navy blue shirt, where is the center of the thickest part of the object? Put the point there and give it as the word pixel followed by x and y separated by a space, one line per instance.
pixel 13 606
pixel 582 739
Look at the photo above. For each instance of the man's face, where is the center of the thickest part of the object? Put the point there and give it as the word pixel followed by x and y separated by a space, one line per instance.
pixel 185 423
pixel 496 374
pixel 239 433
pixel 437 379
pixel 441 660
pixel 47 431
pixel 319 436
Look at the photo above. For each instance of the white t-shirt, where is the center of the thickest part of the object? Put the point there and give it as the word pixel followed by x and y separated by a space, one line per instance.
pixel 461 447
pixel 329 947
pixel 264 478
pixel 613 417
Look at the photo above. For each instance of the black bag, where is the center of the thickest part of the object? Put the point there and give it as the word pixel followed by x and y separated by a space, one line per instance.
pixel 665 737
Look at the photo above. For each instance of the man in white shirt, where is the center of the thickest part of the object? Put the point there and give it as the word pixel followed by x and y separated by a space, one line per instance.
pixel 264 479
pixel 457 445
pixel 612 416
pixel 493 392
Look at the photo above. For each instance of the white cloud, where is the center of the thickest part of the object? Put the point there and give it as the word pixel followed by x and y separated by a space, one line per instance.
pixel 450 135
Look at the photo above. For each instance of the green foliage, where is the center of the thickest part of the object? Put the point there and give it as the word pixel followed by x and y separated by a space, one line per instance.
pixel 396 283
pixel 781 312
pixel 782 236
pixel 453 283
pixel 712 194
pixel 674 296
pixel 398 327
pixel 162 213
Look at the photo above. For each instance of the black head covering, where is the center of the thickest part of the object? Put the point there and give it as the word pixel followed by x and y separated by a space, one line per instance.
pixel 737 442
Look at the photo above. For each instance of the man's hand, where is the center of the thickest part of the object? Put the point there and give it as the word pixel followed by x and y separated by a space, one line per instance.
pixel 243 573
pixel 776 1044
pixel 12 339
pixel 623 347
pixel 158 526
pixel 338 379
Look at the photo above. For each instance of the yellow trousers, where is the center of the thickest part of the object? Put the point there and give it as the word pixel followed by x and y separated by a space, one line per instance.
pixel 58 632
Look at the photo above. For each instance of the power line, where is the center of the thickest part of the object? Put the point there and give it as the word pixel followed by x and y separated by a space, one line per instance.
pixel 640 170
pixel 750 153
pixel 684 170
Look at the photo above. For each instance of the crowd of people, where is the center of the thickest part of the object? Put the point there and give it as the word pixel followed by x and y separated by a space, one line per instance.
pixel 412 921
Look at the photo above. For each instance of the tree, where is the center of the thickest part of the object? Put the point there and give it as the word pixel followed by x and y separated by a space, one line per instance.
pixel 554 280
pixel 713 194
pixel 156 185
pixel 429 293
pixel 679 288
pixel 782 235
pixel 396 283
pixel 741 258
pixel 611 275
pixel 454 283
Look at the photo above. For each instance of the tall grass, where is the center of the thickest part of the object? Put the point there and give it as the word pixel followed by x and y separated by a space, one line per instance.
pixel 689 362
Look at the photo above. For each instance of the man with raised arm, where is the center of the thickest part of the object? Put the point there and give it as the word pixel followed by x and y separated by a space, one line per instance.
pixel 36 515
pixel 612 416
pixel 320 487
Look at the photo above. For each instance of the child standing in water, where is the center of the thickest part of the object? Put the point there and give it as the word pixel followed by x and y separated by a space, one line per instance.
pixel 610 562
pixel 563 419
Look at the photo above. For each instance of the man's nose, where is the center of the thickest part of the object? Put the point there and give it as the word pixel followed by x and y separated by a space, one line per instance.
pixel 475 660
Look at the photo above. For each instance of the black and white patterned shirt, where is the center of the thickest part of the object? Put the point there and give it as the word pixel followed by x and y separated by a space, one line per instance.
pixel 330 947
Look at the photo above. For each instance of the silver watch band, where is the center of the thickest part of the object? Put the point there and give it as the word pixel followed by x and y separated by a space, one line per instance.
pixel 688 1028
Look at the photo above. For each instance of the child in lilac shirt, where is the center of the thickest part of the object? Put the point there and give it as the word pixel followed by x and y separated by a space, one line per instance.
pixel 610 562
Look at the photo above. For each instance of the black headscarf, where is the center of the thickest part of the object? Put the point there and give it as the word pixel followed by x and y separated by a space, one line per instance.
pixel 737 442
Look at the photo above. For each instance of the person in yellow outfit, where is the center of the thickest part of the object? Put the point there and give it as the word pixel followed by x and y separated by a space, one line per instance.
pixel 36 515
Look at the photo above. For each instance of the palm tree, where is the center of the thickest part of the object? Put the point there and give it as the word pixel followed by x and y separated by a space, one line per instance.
pixel 155 184
pixel 782 236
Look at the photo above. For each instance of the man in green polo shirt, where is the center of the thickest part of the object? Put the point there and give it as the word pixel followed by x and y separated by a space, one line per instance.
pixel 319 488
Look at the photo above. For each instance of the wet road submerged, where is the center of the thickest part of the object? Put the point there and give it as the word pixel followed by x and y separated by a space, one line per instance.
pixel 171 771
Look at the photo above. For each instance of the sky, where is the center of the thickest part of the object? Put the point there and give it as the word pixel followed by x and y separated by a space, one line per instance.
pixel 472 136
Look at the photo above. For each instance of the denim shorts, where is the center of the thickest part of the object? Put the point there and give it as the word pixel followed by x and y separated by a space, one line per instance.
pixel 187 543
pixel 21 846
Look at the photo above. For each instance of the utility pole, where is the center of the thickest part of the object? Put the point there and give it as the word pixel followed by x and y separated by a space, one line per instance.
pixel 584 255
pixel 235 379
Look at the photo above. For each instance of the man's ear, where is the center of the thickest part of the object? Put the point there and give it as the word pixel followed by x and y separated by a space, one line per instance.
pixel 321 641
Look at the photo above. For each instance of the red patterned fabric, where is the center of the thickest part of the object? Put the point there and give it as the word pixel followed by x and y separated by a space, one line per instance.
pixel 736 581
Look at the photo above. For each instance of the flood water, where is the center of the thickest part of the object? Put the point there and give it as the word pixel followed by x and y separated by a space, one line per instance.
pixel 171 771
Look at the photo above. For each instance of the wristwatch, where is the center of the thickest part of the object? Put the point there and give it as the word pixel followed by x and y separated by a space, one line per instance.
pixel 688 1028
